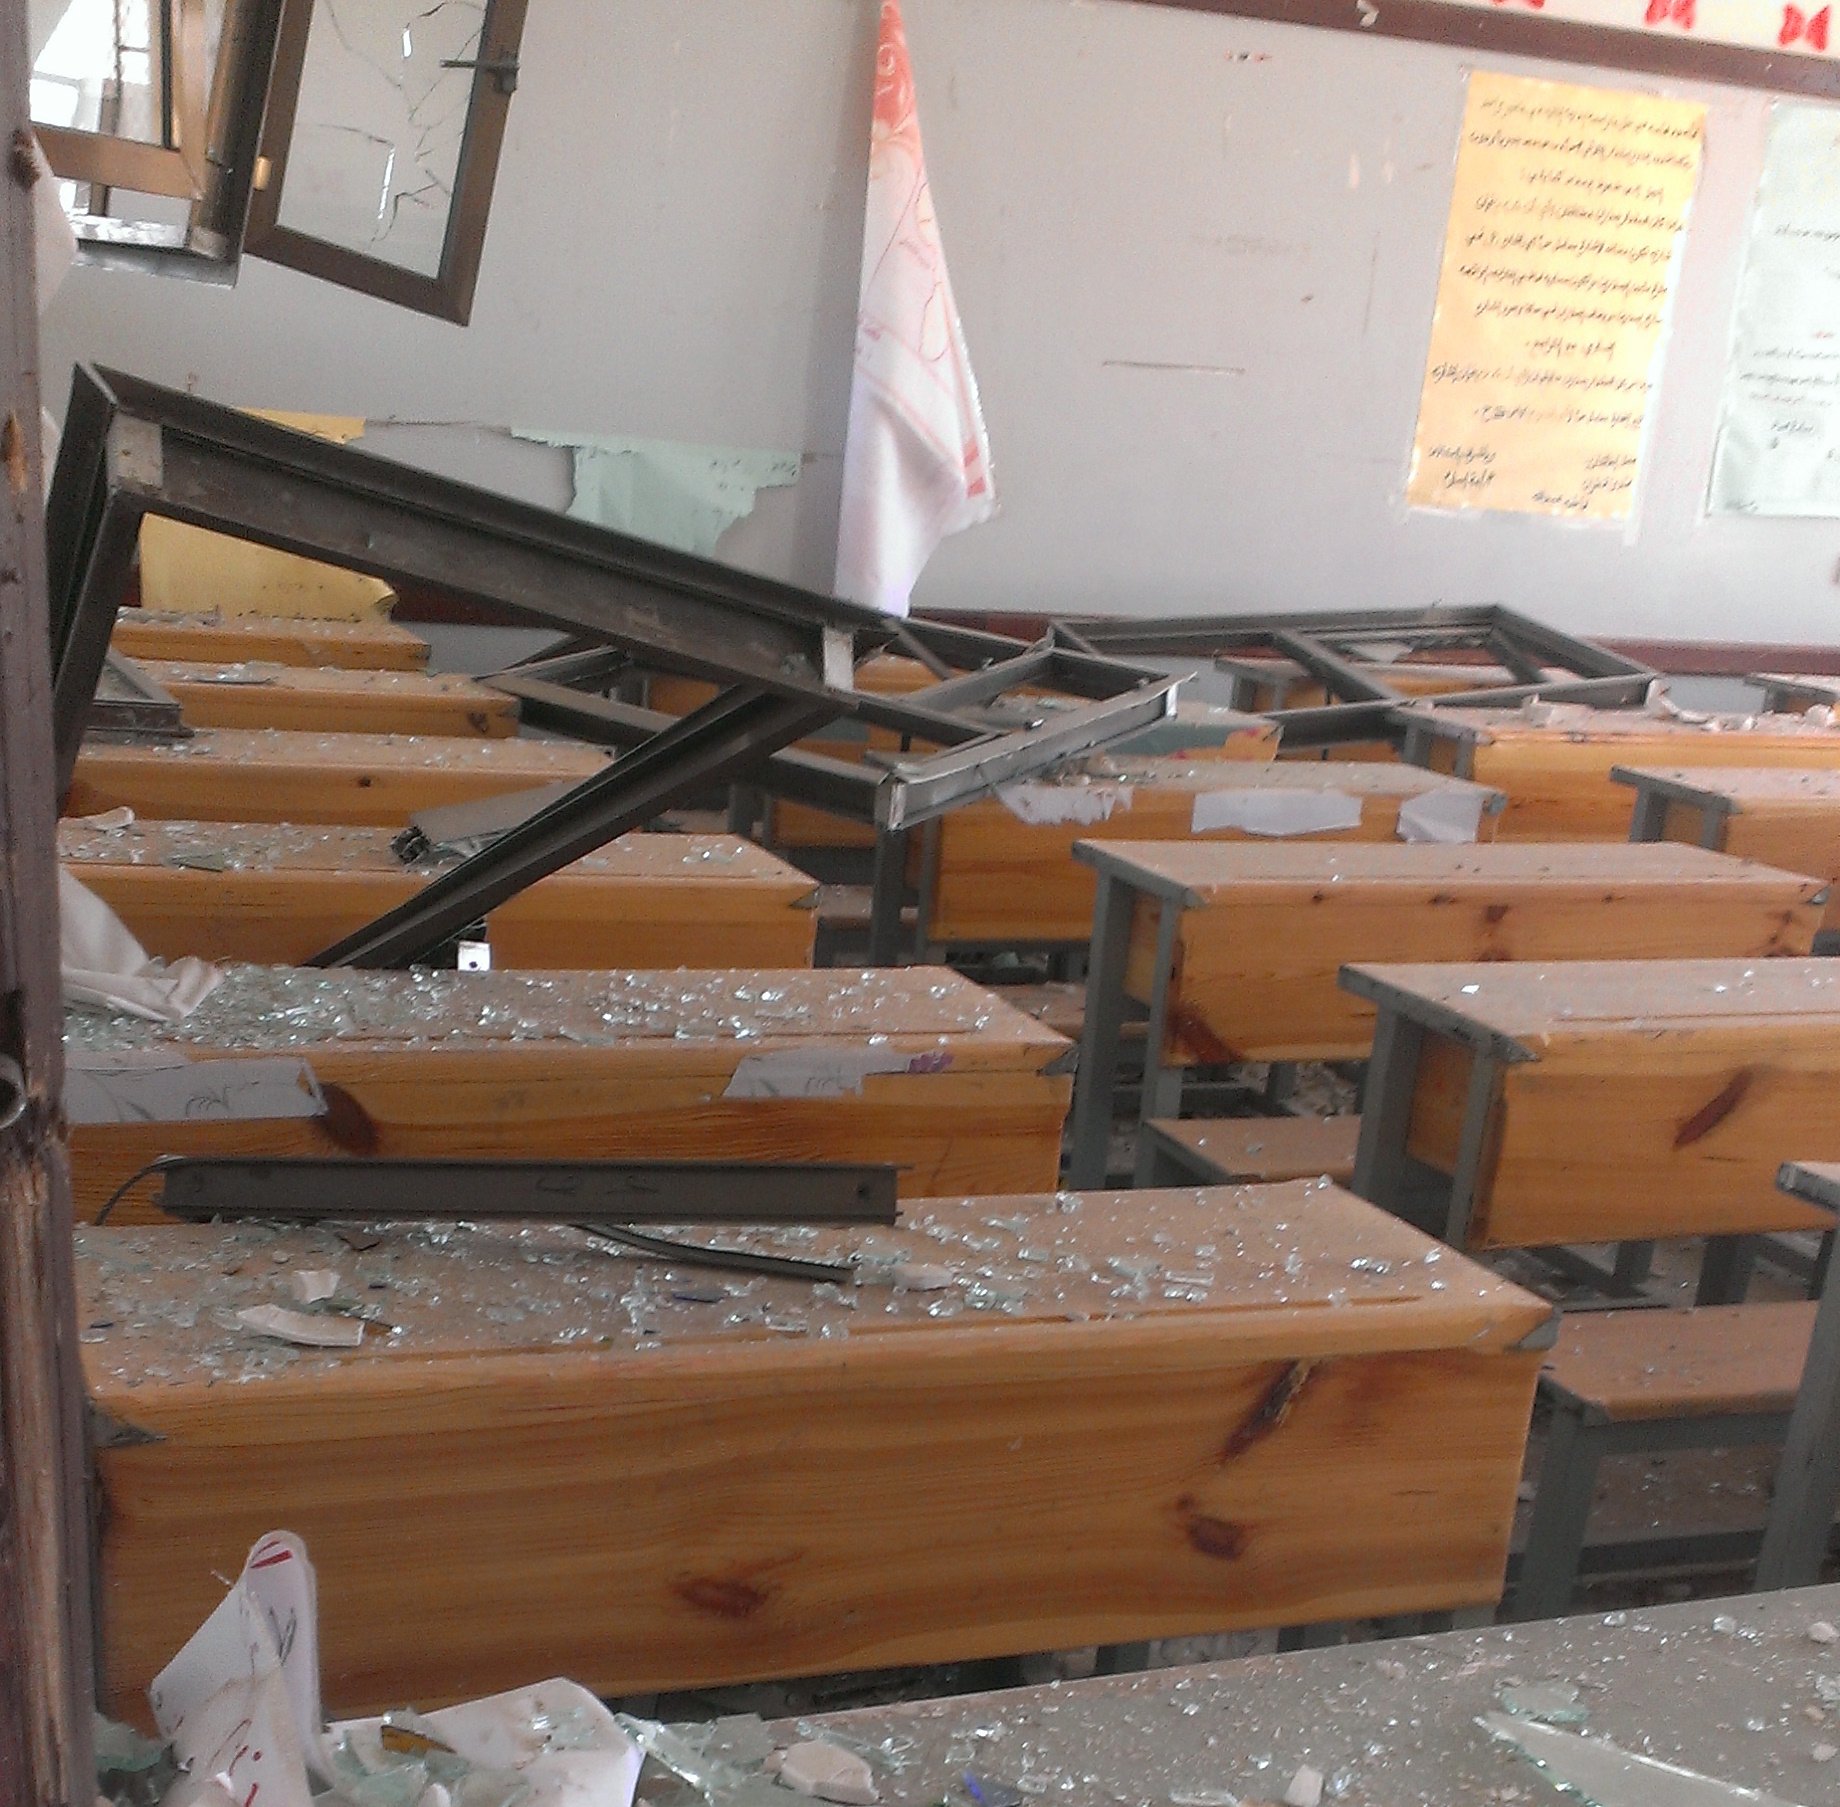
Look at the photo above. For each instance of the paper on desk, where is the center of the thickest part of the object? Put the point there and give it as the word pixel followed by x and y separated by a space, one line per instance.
pixel 160 1085
pixel 1276 813
pixel 822 1072
pixel 1609 1777
pixel 105 967
pixel 1036 803
pixel 567 1747
pixel 241 1700
pixel 1447 815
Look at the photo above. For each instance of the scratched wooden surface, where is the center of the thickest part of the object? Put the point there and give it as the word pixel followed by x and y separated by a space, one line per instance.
pixel 1116 1416
pixel 1635 1098
pixel 275 895
pixel 1556 773
pixel 277 775
pixel 1001 878
pixel 1267 929
pixel 733 1065
pixel 356 645
pixel 264 693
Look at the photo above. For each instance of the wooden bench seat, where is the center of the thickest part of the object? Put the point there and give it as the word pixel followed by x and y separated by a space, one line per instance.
pixel 1002 869
pixel 917 1067
pixel 1524 1106
pixel 1250 1150
pixel 271 775
pixel 275 895
pixel 327 699
pixel 1776 814
pixel 1112 1417
pixel 1627 1382
pixel 1555 761
pixel 354 645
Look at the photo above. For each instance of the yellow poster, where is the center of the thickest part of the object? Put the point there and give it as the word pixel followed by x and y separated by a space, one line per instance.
pixel 1566 225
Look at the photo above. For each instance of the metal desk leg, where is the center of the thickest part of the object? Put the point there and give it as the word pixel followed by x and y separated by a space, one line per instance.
pixel 1808 1478
pixel 1161 1092
pixel 1649 818
pixel 1561 1511
pixel 1725 1272
pixel 1478 1108
pixel 887 896
pixel 1635 1261
pixel 1099 1039
pixel 1386 1110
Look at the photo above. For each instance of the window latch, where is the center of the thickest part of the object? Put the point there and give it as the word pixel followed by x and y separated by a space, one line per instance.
pixel 502 69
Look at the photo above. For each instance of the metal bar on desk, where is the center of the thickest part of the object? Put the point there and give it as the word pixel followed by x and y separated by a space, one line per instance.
pixel 1338 676
pixel 1089 1152
pixel 197 1189
pixel 725 736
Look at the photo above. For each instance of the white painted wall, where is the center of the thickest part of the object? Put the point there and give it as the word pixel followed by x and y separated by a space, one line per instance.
pixel 673 253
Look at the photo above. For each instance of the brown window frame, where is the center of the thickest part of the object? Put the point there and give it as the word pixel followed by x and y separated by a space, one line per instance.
pixel 448 295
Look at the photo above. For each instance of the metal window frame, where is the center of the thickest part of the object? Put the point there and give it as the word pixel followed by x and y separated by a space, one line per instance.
pixel 783 658
pixel 1328 646
pixel 448 294
pixel 214 124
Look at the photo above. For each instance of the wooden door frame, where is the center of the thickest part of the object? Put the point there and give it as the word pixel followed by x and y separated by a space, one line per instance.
pixel 47 1684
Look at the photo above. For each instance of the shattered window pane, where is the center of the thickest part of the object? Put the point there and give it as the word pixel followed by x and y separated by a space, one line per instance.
pixel 380 126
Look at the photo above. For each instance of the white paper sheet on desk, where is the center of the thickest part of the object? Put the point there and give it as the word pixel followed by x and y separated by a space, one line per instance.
pixel 157 1085
pixel 1038 803
pixel 241 1700
pixel 1276 813
pixel 580 1758
pixel 1448 816
pixel 822 1072
pixel 104 967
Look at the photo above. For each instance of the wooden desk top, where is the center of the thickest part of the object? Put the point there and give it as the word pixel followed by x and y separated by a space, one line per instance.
pixel 1360 778
pixel 372 645
pixel 1296 1270
pixel 278 1008
pixel 1723 1688
pixel 1198 873
pixel 267 847
pixel 1575 721
pixel 542 761
pixel 1509 1008
pixel 1765 787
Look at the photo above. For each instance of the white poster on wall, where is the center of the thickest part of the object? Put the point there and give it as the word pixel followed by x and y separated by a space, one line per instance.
pixel 1779 428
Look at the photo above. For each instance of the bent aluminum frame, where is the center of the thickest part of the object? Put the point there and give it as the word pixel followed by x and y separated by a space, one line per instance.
pixel 783 658
pixel 1330 647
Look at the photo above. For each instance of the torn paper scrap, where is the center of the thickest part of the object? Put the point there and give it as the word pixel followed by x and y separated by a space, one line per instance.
pixel 1601 1772
pixel 823 1072
pixel 1039 803
pixel 160 1086
pixel 1276 813
pixel 829 1772
pixel 311 1330
pixel 685 496
pixel 104 967
pixel 241 1700
pixel 1449 816
pixel 566 1747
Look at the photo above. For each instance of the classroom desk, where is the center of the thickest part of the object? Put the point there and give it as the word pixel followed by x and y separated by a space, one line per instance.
pixel 1796 690
pixel 327 699
pixel 918 1067
pixel 559 1462
pixel 1236 951
pixel 1729 1689
pixel 1556 763
pixel 273 894
pixel 272 775
pixel 285 640
pixel 1598 1101
pixel 1786 818
pixel 1002 870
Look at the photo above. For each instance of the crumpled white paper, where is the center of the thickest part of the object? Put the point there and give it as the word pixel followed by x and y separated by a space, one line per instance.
pixel 105 967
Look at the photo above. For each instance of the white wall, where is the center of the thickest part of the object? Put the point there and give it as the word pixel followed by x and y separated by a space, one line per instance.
pixel 673 253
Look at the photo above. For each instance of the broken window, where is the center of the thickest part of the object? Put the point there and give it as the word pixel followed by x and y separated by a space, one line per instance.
pixel 356 140
pixel 382 143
